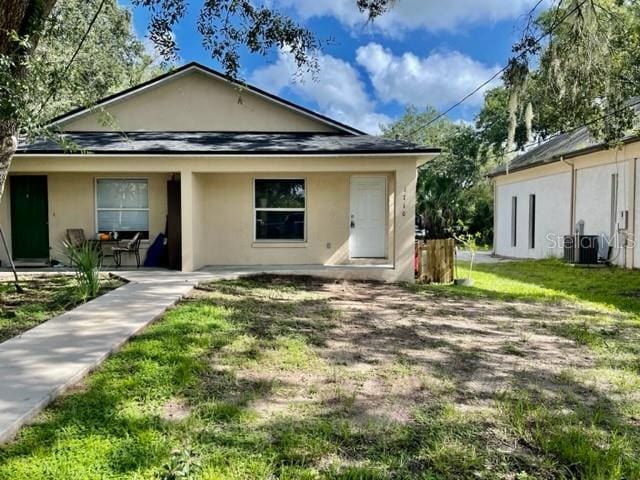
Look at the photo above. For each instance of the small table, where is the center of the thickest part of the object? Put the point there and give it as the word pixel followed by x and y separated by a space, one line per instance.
pixel 101 244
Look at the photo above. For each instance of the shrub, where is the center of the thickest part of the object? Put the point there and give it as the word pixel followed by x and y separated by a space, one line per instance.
pixel 85 259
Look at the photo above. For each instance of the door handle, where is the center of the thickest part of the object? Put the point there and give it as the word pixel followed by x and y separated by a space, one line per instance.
pixel 353 224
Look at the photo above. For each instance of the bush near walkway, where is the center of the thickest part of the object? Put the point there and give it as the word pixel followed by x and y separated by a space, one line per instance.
pixel 298 378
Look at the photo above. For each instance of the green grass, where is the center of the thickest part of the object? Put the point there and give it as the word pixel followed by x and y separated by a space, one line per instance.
pixel 43 297
pixel 263 393
pixel 596 308
pixel 551 281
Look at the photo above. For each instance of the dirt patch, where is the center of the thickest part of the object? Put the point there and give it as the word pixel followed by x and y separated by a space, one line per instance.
pixel 415 346
pixel 386 352
pixel 175 410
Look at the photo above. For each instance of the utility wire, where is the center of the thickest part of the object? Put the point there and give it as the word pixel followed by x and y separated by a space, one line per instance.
pixel 541 37
pixel 534 8
pixel 73 57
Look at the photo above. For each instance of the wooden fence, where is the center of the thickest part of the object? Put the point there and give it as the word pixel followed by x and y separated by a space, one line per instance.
pixel 436 261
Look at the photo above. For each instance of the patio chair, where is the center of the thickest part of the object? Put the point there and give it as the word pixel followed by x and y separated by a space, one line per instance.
pixel 76 237
pixel 132 247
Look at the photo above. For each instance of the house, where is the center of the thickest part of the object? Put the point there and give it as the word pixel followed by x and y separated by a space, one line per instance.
pixel 572 183
pixel 235 175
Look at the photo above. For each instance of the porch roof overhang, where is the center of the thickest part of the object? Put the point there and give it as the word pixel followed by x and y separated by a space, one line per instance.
pixel 220 143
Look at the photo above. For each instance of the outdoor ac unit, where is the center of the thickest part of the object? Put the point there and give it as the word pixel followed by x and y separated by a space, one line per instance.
pixel 582 249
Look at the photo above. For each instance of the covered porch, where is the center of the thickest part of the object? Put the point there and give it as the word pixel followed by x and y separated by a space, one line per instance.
pixel 350 208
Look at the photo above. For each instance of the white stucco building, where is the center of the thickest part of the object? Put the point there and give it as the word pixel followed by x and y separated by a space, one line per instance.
pixel 571 182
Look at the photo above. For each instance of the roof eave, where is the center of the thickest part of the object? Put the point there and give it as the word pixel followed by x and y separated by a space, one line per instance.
pixel 556 158
pixel 236 153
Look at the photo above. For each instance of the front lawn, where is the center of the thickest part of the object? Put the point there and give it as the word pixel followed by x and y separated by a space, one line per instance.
pixel 299 378
pixel 553 281
pixel 43 297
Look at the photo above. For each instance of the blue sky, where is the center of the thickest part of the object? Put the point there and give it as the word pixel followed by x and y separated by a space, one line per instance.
pixel 423 52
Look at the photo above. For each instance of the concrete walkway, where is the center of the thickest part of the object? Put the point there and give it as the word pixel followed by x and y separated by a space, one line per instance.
pixel 482 257
pixel 40 364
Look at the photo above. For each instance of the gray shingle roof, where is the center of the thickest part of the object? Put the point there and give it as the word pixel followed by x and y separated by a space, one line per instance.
pixel 213 143
pixel 565 145
pixel 551 150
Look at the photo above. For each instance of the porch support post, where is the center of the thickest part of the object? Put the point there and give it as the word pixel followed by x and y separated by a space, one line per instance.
pixel 186 201
pixel 405 214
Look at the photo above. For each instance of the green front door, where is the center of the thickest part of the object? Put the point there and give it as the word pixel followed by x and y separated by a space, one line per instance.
pixel 29 217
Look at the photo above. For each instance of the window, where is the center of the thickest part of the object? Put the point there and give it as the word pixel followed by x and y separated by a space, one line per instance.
pixel 614 204
pixel 532 221
pixel 279 209
pixel 514 221
pixel 122 205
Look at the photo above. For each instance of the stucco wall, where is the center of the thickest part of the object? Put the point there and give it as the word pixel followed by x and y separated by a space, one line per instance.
pixel 72 205
pixel 553 200
pixel 195 101
pixel 633 259
pixel 225 231
pixel 593 202
pixel 328 201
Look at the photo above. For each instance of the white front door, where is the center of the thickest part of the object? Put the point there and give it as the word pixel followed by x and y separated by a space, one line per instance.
pixel 368 217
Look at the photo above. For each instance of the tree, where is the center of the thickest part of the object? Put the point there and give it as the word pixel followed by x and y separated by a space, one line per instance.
pixel 586 70
pixel 21 23
pixel 112 58
pixel 492 122
pixel 453 191
pixel 226 27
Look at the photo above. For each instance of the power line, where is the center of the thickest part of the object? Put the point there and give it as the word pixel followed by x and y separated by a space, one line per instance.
pixel 534 8
pixel 541 37
pixel 73 57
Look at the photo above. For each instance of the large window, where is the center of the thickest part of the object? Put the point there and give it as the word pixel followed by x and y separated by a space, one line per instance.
pixel 532 221
pixel 122 205
pixel 614 204
pixel 279 209
pixel 514 221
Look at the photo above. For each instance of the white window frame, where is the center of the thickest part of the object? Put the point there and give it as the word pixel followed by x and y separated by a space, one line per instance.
pixel 260 209
pixel 98 209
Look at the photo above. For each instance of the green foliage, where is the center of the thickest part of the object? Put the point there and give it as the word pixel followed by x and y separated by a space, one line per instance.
pixel 492 123
pixel 229 26
pixel 453 188
pixel 86 261
pixel 183 464
pixel 585 72
pixel 469 242
pixel 111 58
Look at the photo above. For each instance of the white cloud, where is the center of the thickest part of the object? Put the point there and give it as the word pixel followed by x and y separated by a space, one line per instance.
pixel 440 79
pixel 337 90
pixel 431 15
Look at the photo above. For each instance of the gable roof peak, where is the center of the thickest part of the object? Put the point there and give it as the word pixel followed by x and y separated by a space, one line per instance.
pixel 196 66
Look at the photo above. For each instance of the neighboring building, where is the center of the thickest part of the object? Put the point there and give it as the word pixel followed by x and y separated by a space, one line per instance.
pixel 247 177
pixel 571 183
